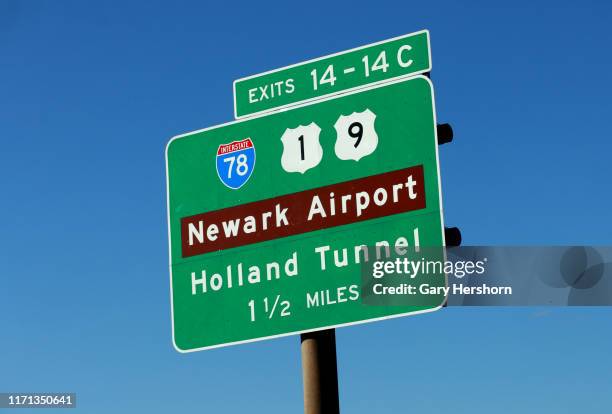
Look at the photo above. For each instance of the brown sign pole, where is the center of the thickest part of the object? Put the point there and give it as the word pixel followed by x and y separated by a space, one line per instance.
pixel 320 372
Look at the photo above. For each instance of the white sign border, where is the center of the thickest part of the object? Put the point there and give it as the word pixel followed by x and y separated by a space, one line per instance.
pixel 405 78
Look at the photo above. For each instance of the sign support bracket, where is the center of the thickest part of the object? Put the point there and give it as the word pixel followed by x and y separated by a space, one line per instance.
pixel 320 372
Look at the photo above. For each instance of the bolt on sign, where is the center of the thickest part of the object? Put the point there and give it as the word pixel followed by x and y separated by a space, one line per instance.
pixel 367 65
pixel 272 217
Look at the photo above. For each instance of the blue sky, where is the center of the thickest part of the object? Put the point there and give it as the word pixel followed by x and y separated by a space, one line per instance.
pixel 89 96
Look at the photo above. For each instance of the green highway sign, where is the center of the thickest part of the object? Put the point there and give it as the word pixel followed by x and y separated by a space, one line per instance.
pixel 272 218
pixel 398 57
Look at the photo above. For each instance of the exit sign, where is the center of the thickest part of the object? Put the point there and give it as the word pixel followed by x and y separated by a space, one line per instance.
pixel 401 56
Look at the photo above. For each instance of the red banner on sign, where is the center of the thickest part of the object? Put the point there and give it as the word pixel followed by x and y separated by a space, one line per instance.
pixel 290 214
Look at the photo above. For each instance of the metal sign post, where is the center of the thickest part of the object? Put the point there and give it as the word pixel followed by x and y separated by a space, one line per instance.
pixel 320 372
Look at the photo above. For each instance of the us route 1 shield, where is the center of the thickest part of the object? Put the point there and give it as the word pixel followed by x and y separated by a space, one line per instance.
pixel 271 218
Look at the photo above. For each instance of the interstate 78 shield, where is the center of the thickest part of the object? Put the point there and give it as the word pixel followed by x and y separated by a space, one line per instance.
pixel 235 162
pixel 280 250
